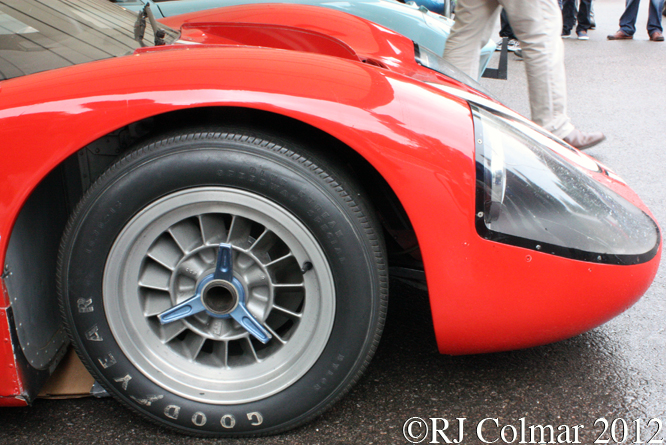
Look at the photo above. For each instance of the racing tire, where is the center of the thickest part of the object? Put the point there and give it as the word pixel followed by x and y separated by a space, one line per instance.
pixel 308 257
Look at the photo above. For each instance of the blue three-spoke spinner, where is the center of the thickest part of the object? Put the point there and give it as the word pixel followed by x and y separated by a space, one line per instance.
pixel 220 295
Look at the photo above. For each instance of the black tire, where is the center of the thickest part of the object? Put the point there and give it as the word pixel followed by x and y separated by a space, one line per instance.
pixel 268 189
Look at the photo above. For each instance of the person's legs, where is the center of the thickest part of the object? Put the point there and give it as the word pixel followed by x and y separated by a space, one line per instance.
pixel 584 9
pixel 628 18
pixel 505 27
pixel 568 16
pixel 471 31
pixel 654 16
pixel 538 24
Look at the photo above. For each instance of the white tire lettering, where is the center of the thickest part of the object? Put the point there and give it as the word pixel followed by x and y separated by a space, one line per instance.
pixel 255 418
pixel 148 400
pixel 107 361
pixel 172 411
pixel 125 381
pixel 199 418
pixel 85 305
pixel 228 421
pixel 92 334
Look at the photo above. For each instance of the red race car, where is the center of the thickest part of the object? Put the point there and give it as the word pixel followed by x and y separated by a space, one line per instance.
pixel 215 203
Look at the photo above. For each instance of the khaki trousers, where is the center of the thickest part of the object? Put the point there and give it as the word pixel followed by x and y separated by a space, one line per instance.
pixel 538 26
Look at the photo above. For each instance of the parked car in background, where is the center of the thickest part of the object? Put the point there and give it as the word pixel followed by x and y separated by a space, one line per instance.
pixel 428 29
pixel 215 204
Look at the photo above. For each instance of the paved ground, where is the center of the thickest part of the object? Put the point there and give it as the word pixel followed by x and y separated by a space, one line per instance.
pixel 615 371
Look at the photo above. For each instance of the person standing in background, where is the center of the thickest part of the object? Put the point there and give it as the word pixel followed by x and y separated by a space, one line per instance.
pixel 570 15
pixel 628 21
pixel 505 31
pixel 538 26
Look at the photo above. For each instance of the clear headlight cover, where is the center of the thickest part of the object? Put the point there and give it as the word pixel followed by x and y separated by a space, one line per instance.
pixel 533 192
pixel 435 62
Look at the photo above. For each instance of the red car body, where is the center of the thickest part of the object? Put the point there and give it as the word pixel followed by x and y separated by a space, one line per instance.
pixel 358 83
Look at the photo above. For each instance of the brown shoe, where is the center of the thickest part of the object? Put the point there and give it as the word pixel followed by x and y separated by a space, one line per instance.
pixel 657 37
pixel 582 140
pixel 620 35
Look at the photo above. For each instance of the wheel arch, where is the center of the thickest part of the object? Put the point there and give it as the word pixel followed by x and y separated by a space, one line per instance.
pixel 35 236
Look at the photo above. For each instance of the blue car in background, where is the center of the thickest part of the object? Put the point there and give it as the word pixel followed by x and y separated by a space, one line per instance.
pixel 428 29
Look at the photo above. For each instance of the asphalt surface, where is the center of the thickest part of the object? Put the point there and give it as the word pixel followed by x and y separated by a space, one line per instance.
pixel 617 371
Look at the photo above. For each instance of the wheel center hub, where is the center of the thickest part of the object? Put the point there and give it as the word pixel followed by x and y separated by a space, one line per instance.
pixel 219 297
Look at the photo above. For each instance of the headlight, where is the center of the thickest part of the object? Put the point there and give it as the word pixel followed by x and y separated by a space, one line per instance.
pixel 533 192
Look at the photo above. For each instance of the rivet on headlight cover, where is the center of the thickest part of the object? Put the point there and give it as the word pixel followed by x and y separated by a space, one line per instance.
pixel 529 194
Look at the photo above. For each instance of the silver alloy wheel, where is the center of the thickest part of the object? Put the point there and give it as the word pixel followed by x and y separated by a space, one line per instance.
pixel 162 254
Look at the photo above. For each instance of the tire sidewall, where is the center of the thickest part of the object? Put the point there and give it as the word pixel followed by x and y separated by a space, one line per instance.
pixel 338 224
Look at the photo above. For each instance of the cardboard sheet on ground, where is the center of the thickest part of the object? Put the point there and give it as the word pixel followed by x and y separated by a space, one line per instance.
pixel 70 380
